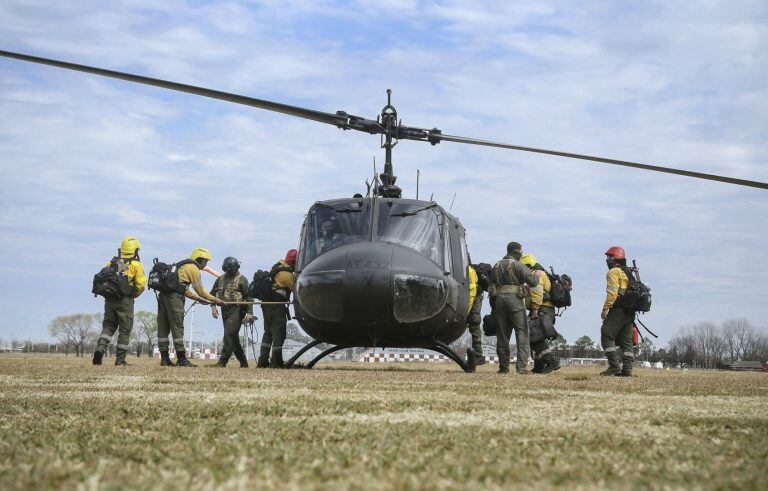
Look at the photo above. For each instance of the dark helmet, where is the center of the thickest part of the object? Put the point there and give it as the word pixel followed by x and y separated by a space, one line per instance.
pixel 230 264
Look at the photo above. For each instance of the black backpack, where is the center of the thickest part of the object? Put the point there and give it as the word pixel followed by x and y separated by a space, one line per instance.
pixel 483 271
pixel 637 298
pixel 560 293
pixel 112 282
pixel 164 277
pixel 261 286
pixel 490 325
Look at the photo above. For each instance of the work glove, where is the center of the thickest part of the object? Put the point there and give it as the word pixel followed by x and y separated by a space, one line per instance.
pixel 219 301
pixel 248 318
pixel 214 312
pixel 534 314
pixel 604 314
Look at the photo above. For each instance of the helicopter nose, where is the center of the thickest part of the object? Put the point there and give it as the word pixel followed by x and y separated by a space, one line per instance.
pixel 367 284
pixel 350 283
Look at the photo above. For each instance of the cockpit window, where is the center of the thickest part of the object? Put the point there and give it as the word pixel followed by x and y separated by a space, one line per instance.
pixel 413 226
pixel 333 225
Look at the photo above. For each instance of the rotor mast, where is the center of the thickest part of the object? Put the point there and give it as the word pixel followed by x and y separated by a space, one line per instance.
pixel 388 120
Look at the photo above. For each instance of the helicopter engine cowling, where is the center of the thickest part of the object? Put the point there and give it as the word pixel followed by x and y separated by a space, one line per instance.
pixel 377 294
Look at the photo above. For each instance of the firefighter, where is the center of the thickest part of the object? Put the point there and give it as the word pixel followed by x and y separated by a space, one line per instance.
pixel 276 316
pixel 170 307
pixel 118 312
pixel 232 287
pixel 476 287
pixel 541 310
pixel 616 333
pixel 509 280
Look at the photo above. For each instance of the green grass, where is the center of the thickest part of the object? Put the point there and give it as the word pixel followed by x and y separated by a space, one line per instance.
pixel 67 424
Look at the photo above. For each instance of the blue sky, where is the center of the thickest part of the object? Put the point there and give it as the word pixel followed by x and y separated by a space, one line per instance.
pixel 87 160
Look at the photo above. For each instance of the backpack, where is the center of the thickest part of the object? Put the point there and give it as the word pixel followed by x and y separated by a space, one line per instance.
pixel 164 278
pixel 490 325
pixel 261 286
pixel 560 294
pixel 483 271
pixel 112 282
pixel 637 297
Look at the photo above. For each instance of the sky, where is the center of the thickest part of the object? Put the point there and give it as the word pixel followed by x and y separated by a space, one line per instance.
pixel 87 160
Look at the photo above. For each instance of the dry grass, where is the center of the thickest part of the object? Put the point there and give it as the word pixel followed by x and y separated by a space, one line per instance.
pixel 66 424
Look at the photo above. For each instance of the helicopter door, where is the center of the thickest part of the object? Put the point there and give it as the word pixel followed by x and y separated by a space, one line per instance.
pixel 458 254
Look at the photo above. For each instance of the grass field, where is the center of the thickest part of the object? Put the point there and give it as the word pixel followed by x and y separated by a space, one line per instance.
pixel 67 424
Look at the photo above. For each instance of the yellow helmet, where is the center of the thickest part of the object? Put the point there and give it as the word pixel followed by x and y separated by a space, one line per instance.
pixel 129 246
pixel 528 259
pixel 200 253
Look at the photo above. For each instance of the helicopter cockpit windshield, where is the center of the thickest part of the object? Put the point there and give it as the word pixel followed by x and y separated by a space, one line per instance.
pixel 412 226
pixel 330 225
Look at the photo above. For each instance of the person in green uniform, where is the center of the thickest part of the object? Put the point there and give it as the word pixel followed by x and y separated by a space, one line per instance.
pixel 232 287
pixel 118 312
pixel 170 307
pixel 509 280
pixel 616 333
pixel 276 316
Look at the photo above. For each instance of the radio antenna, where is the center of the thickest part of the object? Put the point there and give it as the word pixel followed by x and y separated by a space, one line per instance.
pixel 454 199
pixel 418 173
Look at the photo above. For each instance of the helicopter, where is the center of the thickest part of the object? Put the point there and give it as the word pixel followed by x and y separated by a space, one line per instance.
pixel 378 270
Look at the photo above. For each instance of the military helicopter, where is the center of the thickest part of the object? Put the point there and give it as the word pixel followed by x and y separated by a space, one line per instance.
pixel 378 270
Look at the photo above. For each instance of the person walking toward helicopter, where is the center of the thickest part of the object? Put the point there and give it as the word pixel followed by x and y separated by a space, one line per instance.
pixel 276 316
pixel 542 311
pixel 232 287
pixel 510 281
pixel 616 332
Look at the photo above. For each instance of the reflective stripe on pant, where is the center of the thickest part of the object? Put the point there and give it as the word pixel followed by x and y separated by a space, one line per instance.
pixel 170 321
pixel 616 332
pixel 118 316
pixel 511 316
pixel 274 330
pixel 232 318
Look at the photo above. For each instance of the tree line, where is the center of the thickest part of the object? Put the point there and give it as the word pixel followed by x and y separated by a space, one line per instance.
pixel 80 332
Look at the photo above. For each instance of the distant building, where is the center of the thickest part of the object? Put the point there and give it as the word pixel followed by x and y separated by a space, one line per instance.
pixel 749 366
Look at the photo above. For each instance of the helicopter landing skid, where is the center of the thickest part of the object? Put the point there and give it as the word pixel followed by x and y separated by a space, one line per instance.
pixel 438 346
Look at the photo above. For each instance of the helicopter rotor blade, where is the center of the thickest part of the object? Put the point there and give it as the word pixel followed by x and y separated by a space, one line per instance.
pixel 340 119
pixel 656 168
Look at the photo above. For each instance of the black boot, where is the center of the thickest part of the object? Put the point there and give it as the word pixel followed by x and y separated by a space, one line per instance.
pixel 626 369
pixel 240 355
pixel 277 360
pixel 480 360
pixel 613 364
pixel 183 360
pixel 538 365
pixel 165 360
pixel 550 365
pixel 471 361
pixel 263 361
pixel 97 356
pixel 120 362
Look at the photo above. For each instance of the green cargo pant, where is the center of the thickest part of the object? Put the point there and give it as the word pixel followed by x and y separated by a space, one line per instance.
pixel 511 316
pixel 473 325
pixel 118 316
pixel 541 349
pixel 170 321
pixel 275 320
pixel 232 317
pixel 616 334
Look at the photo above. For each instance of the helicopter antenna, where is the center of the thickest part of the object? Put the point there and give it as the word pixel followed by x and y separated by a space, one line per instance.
pixel 454 199
pixel 431 196
pixel 418 173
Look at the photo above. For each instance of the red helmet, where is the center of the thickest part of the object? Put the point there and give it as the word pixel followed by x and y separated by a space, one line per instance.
pixel 290 256
pixel 616 252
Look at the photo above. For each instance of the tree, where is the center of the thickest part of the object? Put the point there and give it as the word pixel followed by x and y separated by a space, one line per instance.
pixel 583 344
pixel 560 347
pixel 146 329
pixel 61 329
pixel 74 330
pixel 646 349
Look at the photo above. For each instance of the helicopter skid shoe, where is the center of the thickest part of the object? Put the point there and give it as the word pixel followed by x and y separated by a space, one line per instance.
pixel 291 363
pixel 446 350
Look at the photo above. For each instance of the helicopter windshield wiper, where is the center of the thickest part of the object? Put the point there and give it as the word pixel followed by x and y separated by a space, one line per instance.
pixel 410 213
